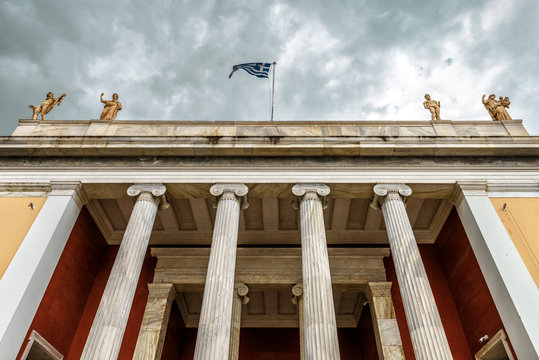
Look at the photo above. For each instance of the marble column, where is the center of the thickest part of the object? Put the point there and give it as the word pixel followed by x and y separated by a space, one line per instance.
pixel 426 329
pixel 321 340
pixel 297 299
pixel 213 337
pixel 108 328
pixel 240 298
pixel 384 321
pixel 153 329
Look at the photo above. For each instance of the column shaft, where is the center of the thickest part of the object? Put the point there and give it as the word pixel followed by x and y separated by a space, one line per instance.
pixel 213 338
pixel 426 329
pixel 108 328
pixel 321 340
pixel 155 321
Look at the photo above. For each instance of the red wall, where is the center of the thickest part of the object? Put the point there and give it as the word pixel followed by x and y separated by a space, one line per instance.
pixel 365 335
pixel 399 309
pixel 137 309
pixel 176 337
pixel 60 309
pixel 269 344
pixel 474 303
pixel 66 312
pixel 461 294
pixel 444 301
pixel 283 344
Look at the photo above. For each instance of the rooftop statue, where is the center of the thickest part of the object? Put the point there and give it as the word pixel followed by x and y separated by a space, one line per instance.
pixel 497 109
pixel 110 111
pixel 433 106
pixel 46 105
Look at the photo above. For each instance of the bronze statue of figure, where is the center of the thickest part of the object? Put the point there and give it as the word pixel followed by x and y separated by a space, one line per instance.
pixel 46 105
pixel 497 109
pixel 110 111
pixel 433 106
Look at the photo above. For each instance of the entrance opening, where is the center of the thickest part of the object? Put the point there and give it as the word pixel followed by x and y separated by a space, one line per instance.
pixel 272 343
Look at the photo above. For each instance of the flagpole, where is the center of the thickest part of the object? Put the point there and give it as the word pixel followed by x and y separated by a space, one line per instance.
pixel 273 91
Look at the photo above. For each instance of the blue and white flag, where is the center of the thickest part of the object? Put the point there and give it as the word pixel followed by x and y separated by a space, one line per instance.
pixel 260 70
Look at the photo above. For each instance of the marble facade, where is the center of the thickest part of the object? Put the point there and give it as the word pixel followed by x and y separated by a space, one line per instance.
pixel 400 178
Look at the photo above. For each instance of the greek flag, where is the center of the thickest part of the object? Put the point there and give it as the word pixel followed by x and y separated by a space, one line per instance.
pixel 260 70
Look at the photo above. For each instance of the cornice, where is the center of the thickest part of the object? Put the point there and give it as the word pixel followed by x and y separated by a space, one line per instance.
pixel 519 187
pixel 25 188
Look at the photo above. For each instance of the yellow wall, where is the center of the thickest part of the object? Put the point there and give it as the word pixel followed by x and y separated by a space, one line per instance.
pixel 16 217
pixel 521 219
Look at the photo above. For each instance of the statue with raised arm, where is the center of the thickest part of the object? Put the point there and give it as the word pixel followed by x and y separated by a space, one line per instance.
pixel 46 105
pixel 490 105
pixel 110 111
pixel 497 109
pixel 433 106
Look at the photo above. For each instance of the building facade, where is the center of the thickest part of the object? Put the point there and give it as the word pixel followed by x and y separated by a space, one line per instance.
pixel 269 240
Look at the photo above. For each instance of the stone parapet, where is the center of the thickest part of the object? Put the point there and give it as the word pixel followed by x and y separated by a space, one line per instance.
pixel 268 128
pixel 265 138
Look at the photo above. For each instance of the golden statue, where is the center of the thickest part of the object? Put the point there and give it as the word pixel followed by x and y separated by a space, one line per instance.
pixel 497 109
pixel 433 106
pixel 110 111
pixel 46 105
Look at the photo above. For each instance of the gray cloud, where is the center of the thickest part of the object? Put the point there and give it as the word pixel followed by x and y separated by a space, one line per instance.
pixel 336 60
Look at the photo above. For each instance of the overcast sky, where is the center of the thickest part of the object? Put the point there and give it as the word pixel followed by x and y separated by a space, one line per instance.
pixel 336 60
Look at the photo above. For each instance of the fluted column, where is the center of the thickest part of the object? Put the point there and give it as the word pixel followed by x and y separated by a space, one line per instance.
pixel 213 338
pixel 384 321
pixel 321 340
pixel 297 299
pixel 240 298
pixel 108 328
pixel 426 329
pixel 153 329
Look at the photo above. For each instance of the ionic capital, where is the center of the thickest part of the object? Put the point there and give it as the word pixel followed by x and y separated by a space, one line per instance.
pixel 150 192
pixel 310 191
pixel 384 192
pixel 240 291
pixel 297 293
pixel 237 192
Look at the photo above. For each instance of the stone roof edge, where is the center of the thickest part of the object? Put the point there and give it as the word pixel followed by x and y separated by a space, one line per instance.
pixel 266 146
pixel 266 122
